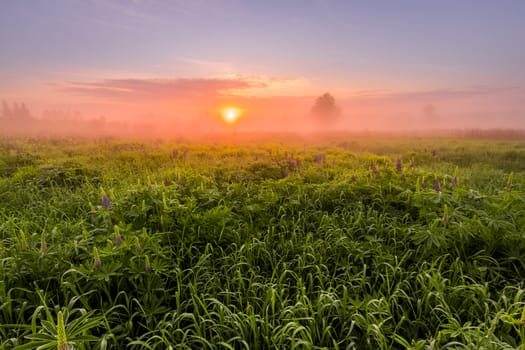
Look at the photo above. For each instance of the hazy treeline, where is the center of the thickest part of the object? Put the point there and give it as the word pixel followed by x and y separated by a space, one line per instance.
pixel 16 119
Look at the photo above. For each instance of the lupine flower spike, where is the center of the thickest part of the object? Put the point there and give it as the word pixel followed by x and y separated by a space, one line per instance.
pixel 148 264
pixel 436 185
pixel 445 214
pixel 97 263
pixel 509 181
pixel 138 247
pixel 106 203
pixel 118 237
pixel 43 244
pixel 61 333
pixel 23 240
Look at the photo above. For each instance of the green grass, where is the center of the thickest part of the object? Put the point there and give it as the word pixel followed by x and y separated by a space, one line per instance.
pixel 277 245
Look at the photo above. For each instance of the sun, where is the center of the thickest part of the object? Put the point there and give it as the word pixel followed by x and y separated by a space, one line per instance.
pixel 230 114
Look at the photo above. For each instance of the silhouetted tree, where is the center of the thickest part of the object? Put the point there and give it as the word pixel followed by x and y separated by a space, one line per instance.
pixel 6 111
pixel 325 108
pixel 18 112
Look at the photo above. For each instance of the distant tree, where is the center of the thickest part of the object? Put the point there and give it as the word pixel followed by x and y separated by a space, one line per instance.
pixel 325 108
pixel 6 111
pixel 23 112
pixel 18 112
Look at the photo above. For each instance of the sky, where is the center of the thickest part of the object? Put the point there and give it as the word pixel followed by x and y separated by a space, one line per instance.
pixel 390 65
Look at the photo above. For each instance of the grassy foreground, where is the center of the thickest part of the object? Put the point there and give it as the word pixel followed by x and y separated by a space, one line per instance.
pixel 354 244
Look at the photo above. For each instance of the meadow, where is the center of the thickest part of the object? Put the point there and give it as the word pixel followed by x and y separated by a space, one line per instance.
pixel 341 243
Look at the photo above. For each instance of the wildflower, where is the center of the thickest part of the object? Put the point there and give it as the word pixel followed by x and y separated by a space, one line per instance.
pixel 509 181
pixel 298 162
pixel 118 237
pixel 167 181
pixel 138 247
pixel 398 165
pixel 43 245
pixel 434 153
pixel 106 203
pixel 374 170
pixel 96 259
pixel 61 333
pixel 455 179
pixel 175 153
pixel 23 240
pixel 148 264
pixel 445 215
pixel 286 172
pixel 436 185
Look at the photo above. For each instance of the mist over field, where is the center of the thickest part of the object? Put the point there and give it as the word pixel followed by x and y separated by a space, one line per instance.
pixel 277 174
pixel 154 68
pixel 272 115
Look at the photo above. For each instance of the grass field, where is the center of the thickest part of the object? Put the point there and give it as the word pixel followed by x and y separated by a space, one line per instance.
pixel 353 243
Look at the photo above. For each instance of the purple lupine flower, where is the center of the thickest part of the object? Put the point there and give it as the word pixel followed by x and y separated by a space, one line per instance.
pixel 96 259
pixel 147 267
pixel 374 170
pixel 298 163
pixel 434 153
pixel 286 172
pixel 320 158
pixel 138 247
pixel 455 182
pixel 167 181
pixel 436 185
pixel 106 203
pixel 175 153
pixel 118 236
pixel 399 166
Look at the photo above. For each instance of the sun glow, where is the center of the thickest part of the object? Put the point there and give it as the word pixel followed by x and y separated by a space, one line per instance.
pixel 230 114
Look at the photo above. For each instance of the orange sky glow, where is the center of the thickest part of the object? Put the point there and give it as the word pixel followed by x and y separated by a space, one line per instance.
pixel 173 67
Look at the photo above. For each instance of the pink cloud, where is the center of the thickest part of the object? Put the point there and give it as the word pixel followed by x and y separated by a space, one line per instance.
pixel 159 89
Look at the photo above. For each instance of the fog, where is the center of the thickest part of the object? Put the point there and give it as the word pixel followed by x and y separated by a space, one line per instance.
pixel 110 110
